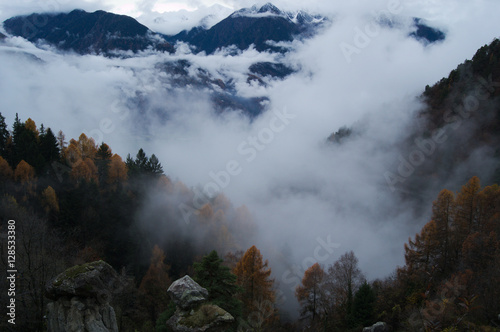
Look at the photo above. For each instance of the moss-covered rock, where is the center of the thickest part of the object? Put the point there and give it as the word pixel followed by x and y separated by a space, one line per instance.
pixel 193 314
pixel 81 297
pixel 95 280
pixel 206 314
pixel 205 318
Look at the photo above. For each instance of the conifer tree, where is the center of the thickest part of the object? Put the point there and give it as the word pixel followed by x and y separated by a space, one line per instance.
pixel 4 136
pixel 219 282
pixel 49 148
pixel 364 305
pixel 254 277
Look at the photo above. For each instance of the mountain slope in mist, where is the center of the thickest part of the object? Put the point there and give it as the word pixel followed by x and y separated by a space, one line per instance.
pixel 261 27
pixel 455 135
pixel 98 32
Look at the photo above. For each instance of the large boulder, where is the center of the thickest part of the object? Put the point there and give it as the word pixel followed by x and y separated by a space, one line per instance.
pixel 92 280
pixel 187 293
pixel 80 299
pixel 377 327
pixel 205 318
pixel 193 314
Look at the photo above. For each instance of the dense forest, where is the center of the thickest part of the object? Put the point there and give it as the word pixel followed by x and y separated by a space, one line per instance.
pixel 76 202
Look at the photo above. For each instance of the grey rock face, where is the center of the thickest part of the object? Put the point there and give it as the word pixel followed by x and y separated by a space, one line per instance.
pixel 80 299
pixel 193 314
pixel 186 293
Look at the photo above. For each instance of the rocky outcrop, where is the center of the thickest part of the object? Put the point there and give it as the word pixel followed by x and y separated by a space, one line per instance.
pixel 187 293
pixel 377 327
pixel 80 299
pixel 193 313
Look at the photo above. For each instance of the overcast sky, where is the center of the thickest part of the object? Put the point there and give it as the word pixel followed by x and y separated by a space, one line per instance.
pixel 298 189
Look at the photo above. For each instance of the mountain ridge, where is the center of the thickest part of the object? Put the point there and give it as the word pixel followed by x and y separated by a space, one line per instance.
pixel 252 26
pixel 106 33
pixel 85 33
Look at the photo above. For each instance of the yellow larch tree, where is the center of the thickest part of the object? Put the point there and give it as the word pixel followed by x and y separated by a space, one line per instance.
pixel 117 171
pixel 254 277
pixel 6 172
pixel 155 283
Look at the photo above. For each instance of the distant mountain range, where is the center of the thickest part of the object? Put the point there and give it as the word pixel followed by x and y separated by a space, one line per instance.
pixel 268 28
pixel 98 32
pixel 105 33
pixel 261 27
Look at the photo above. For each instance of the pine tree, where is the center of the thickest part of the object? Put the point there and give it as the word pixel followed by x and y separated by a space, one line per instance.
pixel 154 166
pixel 26 144
pixel 103 160
pixel 141 160
pixel 364 305
pixel 219 282
pixel 49 148
pixel 4 136
pixel 142 165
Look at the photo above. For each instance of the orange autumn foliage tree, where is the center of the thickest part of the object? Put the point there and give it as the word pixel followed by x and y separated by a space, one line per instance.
pixel 254 277
pixel 85 170
pixel 31 126
pixel 49 199
pixel 461 239
pixel 25 175
pixel 466 210
pixel 79 150
pixel 117 171
pixel 213 218
pixel 24 172
pixel 155 283
pixel 421 253
pixel 443 215
pixel 6 172
pixel 87 146
pixel 310 293
pixel 72 154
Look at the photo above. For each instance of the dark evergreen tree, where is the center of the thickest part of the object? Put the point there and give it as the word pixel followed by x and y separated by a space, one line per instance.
pixel 364 305
pixel 4 136
pixel 141 165
pixel 349 320
pixel 220 283
pixel 154 166
pixel 26 145
pixel 103 159
pixel 141 160
pixel 49 148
